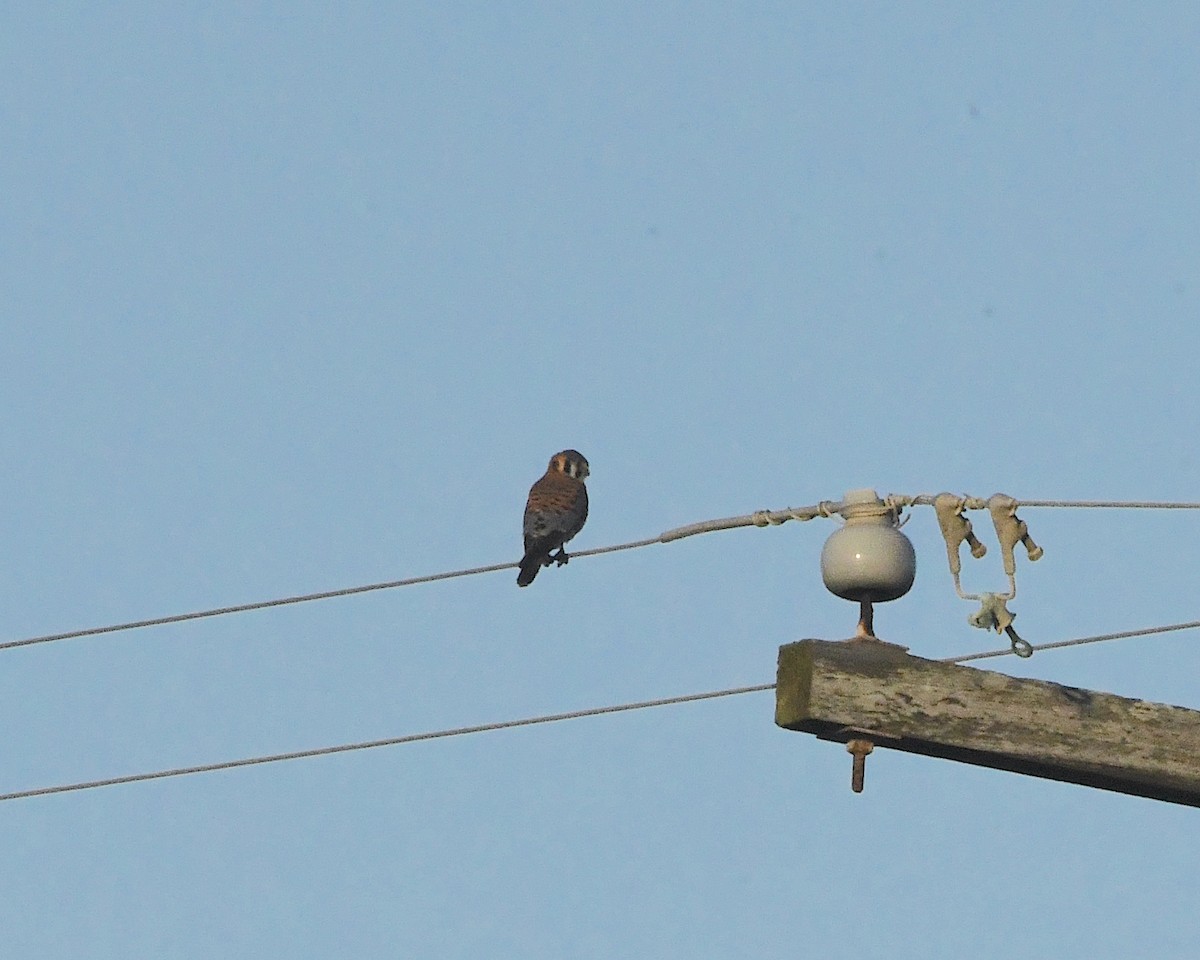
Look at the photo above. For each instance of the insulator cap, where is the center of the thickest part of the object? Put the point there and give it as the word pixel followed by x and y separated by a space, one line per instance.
pixel 868 558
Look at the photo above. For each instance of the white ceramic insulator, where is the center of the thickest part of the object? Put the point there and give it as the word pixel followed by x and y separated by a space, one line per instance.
pixel 868 558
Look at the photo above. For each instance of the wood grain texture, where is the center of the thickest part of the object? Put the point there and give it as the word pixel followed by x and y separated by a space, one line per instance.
pixel 840 690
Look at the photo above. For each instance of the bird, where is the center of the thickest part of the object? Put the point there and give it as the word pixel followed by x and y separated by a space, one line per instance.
pixel 556 510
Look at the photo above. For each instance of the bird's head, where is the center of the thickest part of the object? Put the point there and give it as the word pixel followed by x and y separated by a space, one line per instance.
pixel 570 462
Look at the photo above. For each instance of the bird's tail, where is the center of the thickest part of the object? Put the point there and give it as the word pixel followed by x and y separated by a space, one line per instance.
pixel 530 565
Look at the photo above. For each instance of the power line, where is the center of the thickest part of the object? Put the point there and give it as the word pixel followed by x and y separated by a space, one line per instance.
pixel 1114 504
pixel 760 518
pixel 1190 625
pixel 390 742
pixel 980 503
pixel 301 598
pixel 525 722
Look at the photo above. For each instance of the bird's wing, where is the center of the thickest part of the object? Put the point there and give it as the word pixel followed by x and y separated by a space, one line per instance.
pixel 555 512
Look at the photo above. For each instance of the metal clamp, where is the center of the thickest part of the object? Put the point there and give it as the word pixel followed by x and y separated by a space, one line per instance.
pixel 1010 530
pixel 955 529
pixel 993 614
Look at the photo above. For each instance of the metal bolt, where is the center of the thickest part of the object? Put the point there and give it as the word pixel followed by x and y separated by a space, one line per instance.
pixel 860 749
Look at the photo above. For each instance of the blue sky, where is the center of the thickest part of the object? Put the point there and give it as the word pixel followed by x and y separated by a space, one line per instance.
pixel 302 296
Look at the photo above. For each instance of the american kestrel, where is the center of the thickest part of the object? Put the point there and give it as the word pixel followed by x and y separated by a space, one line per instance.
pixel 555 512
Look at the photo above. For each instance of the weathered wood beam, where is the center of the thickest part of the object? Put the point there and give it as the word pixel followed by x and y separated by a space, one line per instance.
pixel 877 691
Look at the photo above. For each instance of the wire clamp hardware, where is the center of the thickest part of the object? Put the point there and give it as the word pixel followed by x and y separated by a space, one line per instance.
pixel 955 529
pixel 993 614
pixel 1011 530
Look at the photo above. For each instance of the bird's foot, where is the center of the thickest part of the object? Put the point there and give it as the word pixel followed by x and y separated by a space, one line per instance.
pixel 560 558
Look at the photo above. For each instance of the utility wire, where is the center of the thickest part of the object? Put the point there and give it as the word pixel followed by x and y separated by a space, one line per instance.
pixel 1190 625
pixel 1113 504
pixel 980 503
pixel 525 722
pixel 301 598
pixel 390 742
pixel 760 518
